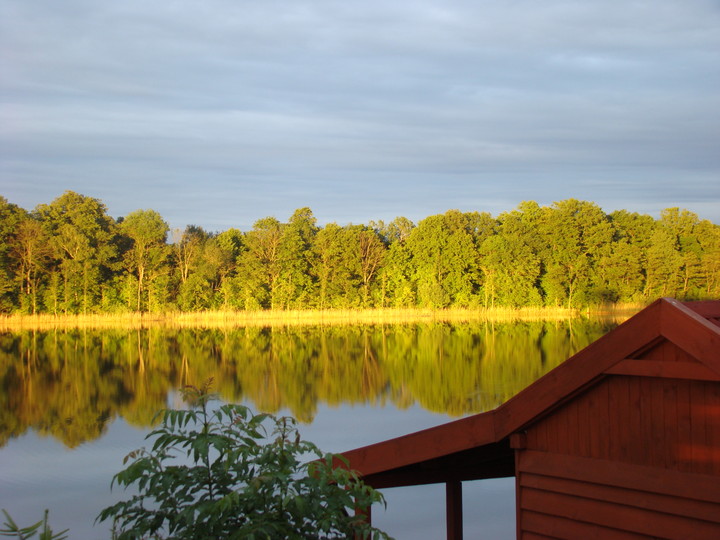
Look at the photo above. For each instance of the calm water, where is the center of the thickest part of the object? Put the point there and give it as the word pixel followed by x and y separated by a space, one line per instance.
pixel 74 403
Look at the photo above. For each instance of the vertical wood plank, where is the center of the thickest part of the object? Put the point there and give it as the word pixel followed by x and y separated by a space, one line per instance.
pixel 666 352
pixel 531 438
pixel 684 426
pixel 593 413
pixel 698 432
pixel 670 410
pixel 541 434
pixel 648 454
pixel 603 420
pixel 634 417
pixel 572 427
pixel 618 407
pixel 590 427
pixel 658 421
pixel 700 450
pixel 583 433
pixel 561 431
pixel 712 395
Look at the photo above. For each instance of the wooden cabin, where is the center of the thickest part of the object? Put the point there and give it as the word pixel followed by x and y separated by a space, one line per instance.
pixel 620 441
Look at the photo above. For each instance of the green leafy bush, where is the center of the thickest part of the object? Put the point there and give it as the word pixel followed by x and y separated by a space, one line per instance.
pixel 240 475
pixel 23 533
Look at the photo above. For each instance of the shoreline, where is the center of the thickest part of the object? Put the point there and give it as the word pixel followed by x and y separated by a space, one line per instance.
pixel 274 318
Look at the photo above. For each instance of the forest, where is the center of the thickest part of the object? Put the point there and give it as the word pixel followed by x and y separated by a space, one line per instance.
pixel 71 257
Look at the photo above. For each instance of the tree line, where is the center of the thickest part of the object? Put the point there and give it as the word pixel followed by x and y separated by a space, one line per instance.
pixel 70 256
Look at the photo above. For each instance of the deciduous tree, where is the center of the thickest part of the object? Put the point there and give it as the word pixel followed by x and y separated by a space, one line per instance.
pixel 148 252
pixel 31 249
pixel 10 216
pixel 295 285
pixel 82 236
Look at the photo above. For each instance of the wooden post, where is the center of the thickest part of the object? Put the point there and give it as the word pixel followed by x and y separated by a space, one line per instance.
pixel 366 513
pixel 454 516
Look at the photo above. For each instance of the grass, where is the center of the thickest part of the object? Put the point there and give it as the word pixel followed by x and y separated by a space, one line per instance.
pixel 224 319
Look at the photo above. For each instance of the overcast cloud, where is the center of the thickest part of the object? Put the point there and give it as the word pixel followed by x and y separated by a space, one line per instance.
pixel 221 112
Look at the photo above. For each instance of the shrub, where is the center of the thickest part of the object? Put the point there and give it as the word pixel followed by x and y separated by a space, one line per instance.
pixel 244 475
pixel 24 533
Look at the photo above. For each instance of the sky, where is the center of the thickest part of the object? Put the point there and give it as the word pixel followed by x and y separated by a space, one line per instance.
pixel 221 112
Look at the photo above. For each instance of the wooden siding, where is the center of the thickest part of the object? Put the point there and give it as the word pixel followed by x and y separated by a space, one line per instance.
pixel 572 497
pixel 659 422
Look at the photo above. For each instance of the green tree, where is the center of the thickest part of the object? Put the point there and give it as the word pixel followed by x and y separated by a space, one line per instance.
pixel 148 252
pixel 328 249
pixel 510 266
pixel 259 266
pixel 195 268
pixel 82 236
pixel 187 249
pixel 337 266
pixel 397 276
pixel 623 273
pixel 480 225
pixel 223 251
pixel 395 287
pixel 10 217
pixel 663 265
pixel 30 247
pixel 371 252
pixel 709 238
pixel 398 230
pixel 575 234
pixel 444 259
pixel 295 286
pixel 682 227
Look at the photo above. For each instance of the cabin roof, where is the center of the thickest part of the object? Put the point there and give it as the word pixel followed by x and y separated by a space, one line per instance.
pixel 478 446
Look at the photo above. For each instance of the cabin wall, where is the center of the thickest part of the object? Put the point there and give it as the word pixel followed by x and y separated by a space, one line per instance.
pixel 665 423
pixel 631 457
pixel 570 497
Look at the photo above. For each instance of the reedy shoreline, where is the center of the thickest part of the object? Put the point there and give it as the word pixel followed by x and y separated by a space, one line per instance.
pixel 279 318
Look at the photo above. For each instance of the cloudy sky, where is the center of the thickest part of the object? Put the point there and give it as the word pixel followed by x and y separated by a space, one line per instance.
pixel 221 112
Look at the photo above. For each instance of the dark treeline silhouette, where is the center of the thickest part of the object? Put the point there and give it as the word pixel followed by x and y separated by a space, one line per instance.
pixel 70 256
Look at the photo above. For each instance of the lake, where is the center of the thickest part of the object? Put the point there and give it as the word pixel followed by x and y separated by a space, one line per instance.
pixel 74 402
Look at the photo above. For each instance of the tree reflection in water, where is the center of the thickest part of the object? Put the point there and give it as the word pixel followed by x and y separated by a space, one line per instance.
pixel 70 384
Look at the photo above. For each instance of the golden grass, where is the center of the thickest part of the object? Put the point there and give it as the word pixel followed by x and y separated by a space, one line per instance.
pixel 224 319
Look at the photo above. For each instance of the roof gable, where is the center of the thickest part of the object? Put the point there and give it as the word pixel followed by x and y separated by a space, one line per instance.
pixel 669 337
pixel 666 339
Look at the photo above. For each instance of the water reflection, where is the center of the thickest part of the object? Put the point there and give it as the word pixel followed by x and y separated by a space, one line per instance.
pixel 71 383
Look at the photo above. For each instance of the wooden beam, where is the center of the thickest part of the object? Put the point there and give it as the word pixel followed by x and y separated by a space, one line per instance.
pixel 669 370
pixel 453 510
pixel 464 434
pixel 706 308
pixel 691 332
pixel 489 461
